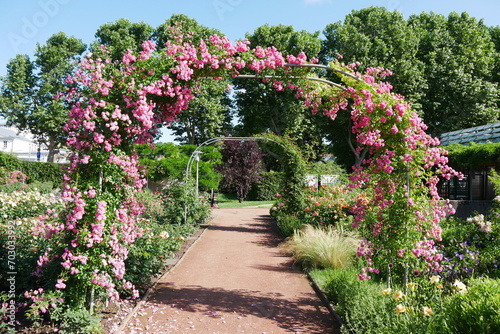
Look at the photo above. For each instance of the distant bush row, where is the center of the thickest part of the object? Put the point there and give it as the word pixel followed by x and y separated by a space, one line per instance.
pixel 35 171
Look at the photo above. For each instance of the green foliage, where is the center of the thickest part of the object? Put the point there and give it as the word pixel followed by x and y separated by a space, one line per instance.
pixel 374 37
pixel 473 155
pixel 40 175
pixel 470 248
pixel 77 321
pixel 314 247
pixel 268 186
pixel 209 114
pixel 164 230
pixel 120 36
pixel 43 172
pixel 181 204
pixel 329 206
pixel 9 162
pixel 287 224
pixel 445 66
pixel 168 162
pixel 148 256
pixel 477 310
pixel 27 91
pixel 424 306
pixel 292 198
pixel 261 108
pixel 494 178
pixel 360 303
pixel 459 59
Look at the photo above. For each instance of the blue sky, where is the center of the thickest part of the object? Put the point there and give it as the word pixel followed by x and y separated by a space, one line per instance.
pixel 28 22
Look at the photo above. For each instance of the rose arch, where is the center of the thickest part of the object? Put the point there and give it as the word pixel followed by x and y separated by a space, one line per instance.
pixel 115 106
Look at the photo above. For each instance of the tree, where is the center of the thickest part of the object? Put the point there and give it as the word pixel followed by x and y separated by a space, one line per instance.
pixel 495 37
pixel 120 36
pixel 241 167
pixel 370 37
pixel 375 37
pixel 261 108
pixel 167 162
pixel 28 91
pixel 435 65
pixel 209 114
pixel 459 57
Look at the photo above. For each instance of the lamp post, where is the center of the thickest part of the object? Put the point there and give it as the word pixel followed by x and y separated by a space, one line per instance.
pixel 197 159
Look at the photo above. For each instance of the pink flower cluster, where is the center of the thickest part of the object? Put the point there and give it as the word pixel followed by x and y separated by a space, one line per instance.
pixel 401 171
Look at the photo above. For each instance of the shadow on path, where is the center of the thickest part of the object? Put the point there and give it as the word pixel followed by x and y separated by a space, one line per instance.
pixel 212 302
pixel 235 279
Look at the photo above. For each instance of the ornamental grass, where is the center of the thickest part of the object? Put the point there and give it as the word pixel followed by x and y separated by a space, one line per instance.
pixel 315 247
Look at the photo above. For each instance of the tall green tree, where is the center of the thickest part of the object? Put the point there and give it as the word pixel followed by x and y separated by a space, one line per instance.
pixel 210 113
pixel 459 56
pixel 28 90
pixel 261 108
pixel 495 37
pixel 374 37
pixel 442 65
pixel 120 36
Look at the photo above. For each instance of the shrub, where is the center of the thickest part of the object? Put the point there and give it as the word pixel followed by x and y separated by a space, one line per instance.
pixel 470 248
pixel 360 304
pixel 287 224
pixel 182 204
pixel 9 162
pixel 20 204
pixel 79 321
pixel 158 243
pixel 477 310
pixel 323 247
pixel 328 205
pixel 270 185
pixel 43 172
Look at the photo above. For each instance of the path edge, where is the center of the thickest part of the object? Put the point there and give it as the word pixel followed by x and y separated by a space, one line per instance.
pixel 175 261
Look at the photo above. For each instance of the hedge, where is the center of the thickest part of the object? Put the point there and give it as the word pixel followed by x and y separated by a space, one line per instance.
pixel 35 171
pixel 473 155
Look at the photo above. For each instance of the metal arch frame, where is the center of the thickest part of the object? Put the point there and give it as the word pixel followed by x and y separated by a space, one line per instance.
pixel 219 139
pixel 256 76
pixel 323 67
pixel 211 141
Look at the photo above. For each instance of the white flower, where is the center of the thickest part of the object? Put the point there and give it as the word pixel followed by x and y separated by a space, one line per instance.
pixel 435 279
pixel 461 287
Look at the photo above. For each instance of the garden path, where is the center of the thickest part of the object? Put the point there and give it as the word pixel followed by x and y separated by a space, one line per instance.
pixel 234 279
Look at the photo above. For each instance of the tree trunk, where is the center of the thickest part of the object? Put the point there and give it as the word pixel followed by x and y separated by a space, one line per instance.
pixel 52 149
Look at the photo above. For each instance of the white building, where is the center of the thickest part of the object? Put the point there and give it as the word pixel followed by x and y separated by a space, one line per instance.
pixel 21 146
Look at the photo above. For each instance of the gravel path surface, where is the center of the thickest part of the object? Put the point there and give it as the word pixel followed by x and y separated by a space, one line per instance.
pixel 234 279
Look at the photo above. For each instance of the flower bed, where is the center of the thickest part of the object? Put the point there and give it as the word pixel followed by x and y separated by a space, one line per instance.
pixel 23 252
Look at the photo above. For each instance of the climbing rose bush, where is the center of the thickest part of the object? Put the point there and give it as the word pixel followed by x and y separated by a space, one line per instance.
pixel 399 170
pixel 115 106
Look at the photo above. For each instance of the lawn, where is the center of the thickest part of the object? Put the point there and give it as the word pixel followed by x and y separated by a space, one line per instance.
pixel 230 201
